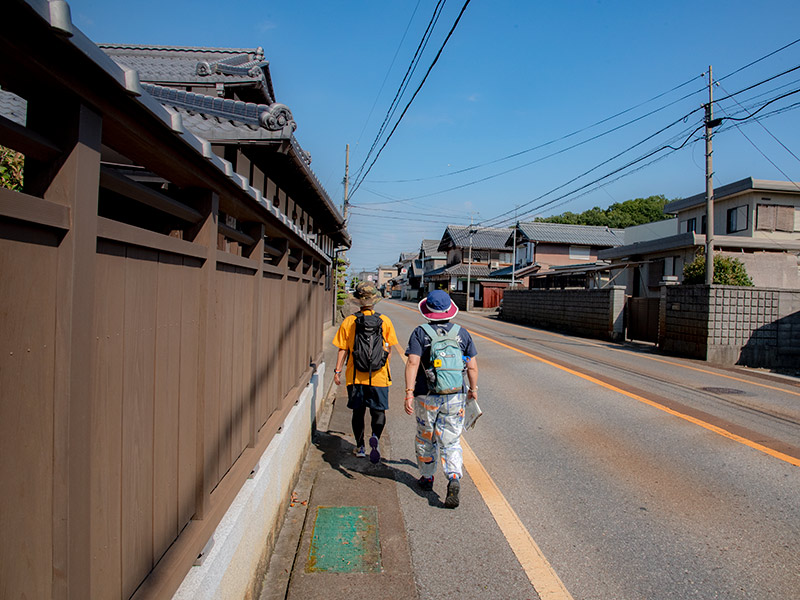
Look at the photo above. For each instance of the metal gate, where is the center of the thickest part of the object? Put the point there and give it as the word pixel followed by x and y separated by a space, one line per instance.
pixel 492 296
pixel 642 316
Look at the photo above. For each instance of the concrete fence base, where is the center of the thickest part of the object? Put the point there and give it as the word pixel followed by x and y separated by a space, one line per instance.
pixel 244 538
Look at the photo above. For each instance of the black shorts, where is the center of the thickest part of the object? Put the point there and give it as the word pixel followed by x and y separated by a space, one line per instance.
pixel 370 396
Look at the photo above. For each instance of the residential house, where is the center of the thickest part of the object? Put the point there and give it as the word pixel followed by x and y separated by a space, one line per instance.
pixel 473 253
pixel 404 267
pixel 386 276
pixel 557 255
pixel 756 221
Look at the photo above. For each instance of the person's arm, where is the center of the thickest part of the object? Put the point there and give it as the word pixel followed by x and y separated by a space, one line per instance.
pixel 341 356
pixel 472 377
pixel 412 366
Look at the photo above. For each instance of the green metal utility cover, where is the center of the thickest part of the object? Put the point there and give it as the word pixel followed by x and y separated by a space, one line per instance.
pixel 345 540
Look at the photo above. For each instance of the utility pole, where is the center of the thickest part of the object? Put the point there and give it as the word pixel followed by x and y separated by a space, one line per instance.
pixel 346 182
pixel 337 254
pixel 710 124
pixel 422 266
pixel 514 251
pixel 469 264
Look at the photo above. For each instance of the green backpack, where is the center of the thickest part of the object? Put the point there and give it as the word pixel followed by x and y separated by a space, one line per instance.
pixel 446 375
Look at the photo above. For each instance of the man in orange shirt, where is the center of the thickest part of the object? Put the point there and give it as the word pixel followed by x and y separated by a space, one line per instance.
pixel 368 386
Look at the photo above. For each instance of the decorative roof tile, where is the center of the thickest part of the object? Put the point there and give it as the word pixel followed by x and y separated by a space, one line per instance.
pixel 177 65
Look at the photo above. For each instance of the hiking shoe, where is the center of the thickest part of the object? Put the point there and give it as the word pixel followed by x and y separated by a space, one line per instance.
pixel 359 452
pixel 453 487
pixel 426 483
pixel 374 454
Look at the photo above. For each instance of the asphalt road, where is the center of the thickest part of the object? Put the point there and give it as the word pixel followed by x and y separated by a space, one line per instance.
pixel 638 476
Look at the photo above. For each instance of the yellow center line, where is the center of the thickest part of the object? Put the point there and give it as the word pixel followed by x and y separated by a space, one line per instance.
pixel 537 568
pixel 718 430
pixel 540 573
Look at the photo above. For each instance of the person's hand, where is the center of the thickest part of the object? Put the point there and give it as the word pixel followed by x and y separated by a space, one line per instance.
pixel 472 394
pixel 336 378
pixel 409 405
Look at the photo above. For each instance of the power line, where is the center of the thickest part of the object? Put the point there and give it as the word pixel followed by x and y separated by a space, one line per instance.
pixel 563 137
pixel 603 163
pixel 388 71
pixel 412 67
pixel 515 154
pixel 405 110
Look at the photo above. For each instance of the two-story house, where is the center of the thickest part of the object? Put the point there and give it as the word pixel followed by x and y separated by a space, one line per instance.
pixel 555 251
pixel 472 254
pixel 756 221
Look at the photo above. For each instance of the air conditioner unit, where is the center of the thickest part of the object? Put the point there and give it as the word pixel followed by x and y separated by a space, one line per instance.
pixel 495 264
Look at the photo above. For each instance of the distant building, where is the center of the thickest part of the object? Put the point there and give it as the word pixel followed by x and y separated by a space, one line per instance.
pixel 472 255
pixel 547 251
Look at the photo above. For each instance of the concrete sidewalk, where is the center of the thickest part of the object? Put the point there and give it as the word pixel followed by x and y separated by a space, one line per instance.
pixel 312 560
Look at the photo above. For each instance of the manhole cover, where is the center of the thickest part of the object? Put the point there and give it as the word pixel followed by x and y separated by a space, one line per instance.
pixel 722 390
pixel 345 540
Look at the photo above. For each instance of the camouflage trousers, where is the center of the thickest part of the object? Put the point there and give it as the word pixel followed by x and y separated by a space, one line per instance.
pixel 440 421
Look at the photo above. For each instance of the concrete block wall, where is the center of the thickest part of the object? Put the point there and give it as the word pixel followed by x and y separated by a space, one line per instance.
pixel 591 313
pixel 756 327
pixel 685 321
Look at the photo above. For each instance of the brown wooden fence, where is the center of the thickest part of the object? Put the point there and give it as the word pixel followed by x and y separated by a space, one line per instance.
pixel 148 352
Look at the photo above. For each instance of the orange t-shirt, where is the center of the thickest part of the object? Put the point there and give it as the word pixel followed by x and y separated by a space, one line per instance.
pixel 345 338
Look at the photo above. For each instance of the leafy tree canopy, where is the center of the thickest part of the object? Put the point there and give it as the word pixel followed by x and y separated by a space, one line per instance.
pixel 727 271
pixel 11 167
pixel 619 215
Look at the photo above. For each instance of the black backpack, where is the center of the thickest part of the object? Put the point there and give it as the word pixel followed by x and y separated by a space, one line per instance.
pixel 368 352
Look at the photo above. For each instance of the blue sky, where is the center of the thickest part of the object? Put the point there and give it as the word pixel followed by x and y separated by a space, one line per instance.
pixel 503 122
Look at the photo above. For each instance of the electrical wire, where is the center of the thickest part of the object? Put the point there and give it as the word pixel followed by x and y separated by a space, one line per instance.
pixel 564 137
pixel 405 110
pixel 388 71
pixel 412 67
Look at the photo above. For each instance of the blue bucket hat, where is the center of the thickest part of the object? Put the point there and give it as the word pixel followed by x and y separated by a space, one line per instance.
pixel 438 306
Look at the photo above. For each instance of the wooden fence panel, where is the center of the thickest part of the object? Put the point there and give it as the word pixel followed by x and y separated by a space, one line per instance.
pixel 107 390
pixel 141 268
pixel 28 264
pixel 269 357
pixel 166 424
pixel 190 378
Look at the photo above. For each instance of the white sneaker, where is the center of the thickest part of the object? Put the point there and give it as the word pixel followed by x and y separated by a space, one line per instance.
pixel 359 452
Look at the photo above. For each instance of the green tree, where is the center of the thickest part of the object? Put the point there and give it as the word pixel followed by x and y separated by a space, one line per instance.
pixel 727 271
pixel 619 215
pixel 11 165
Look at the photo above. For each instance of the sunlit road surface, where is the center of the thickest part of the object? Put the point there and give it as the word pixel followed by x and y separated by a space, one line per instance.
pixel 604 471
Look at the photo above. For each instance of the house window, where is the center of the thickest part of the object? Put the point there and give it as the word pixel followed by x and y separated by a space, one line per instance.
pixel 774 217
pixel 579 253
pixel 737 219
pixel 689 225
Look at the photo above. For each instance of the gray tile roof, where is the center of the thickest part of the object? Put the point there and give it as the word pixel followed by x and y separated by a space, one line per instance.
pixel 431 249
pixel 461 270
pixel 13 107
pixel 194 66
pixel 557 233
pixel 483 238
